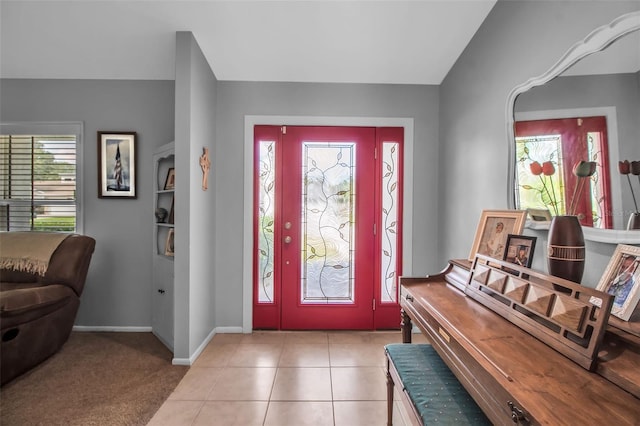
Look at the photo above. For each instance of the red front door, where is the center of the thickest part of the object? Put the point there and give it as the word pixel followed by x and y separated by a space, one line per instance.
pixel 318 208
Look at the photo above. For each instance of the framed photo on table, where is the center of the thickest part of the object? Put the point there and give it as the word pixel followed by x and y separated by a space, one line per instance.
pixel 519 251
pixel 117 165
pixel 539 215
pixel 622 280
pixel 493 230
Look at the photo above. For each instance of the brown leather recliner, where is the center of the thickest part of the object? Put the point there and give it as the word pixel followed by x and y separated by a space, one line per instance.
pixel 37 312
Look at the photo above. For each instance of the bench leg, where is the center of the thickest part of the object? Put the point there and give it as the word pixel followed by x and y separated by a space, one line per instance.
pixel 389 397
pixel 405 323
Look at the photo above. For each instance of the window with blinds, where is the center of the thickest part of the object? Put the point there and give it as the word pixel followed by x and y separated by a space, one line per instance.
pixel 38 183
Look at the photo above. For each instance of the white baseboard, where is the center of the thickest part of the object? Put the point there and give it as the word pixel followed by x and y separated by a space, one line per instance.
pixel 175 361
pixel 218 330
pixel 189 361
pixel 123 329
pixel 228 330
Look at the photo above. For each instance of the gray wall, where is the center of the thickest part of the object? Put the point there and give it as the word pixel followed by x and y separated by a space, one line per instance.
pixel 237 99
pixel 460 158
pixel 118 288
pixel 518 40
pixel 195 209
pixel 618 90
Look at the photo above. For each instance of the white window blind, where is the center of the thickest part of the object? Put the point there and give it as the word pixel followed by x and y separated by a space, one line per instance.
pixel 38 183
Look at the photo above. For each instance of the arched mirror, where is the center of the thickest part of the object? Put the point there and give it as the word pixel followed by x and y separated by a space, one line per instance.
pixel 586 107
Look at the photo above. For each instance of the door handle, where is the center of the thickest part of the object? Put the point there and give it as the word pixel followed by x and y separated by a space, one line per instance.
pixel 287 239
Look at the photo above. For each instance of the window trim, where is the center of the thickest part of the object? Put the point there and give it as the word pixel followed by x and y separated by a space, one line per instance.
pixel 57 128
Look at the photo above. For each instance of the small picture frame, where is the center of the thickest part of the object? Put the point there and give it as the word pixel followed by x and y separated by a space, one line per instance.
pixel 621 279
pixel 117 165
pixel 168 247
pixel 170 220
pixel 539 215
pixel 170 181
pixel 519 251
pixel 493 229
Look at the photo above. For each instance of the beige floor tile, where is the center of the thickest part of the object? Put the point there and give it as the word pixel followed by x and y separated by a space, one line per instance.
pixel 256 355
pixel 286 378
pixel 226 338
pixel 232 413
pixel 354 337
pixel 196 384
pixel 364 413
pixel 243 384
pixel 176 413
pixel 302 384
pixel 304 355
pixel 356 355
pixel 419 338
pixel 296 337
pixel 271 337
pixel 359 384
pixel 216 355
pixel 303 413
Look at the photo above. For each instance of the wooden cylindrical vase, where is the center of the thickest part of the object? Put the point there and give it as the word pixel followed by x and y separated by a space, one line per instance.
pixel 565 248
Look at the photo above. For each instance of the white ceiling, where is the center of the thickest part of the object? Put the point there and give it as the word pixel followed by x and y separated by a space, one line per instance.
pixel 403 42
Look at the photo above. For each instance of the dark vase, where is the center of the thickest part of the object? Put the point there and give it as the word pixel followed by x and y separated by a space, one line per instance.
pixel 634 221
pixel 565 248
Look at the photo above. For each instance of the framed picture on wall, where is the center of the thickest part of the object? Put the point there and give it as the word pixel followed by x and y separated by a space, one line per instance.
pixel 493 230
pixel 622 280
pixel 117 165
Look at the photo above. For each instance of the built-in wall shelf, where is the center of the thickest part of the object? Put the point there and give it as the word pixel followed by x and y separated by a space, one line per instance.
pixel 163 236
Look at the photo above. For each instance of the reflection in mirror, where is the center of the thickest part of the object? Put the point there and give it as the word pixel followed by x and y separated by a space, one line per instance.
pixel 585 108
pixel 563 143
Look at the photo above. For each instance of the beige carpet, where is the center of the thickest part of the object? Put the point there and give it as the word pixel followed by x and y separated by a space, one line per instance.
pixel 95 379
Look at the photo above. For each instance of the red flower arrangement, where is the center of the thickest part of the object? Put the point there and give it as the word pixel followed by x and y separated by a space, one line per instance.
pixel 547 169
pixel 627 167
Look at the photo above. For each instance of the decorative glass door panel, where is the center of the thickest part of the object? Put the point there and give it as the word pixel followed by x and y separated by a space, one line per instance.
pixel 266 220
pixel 328 229
pixel 390 223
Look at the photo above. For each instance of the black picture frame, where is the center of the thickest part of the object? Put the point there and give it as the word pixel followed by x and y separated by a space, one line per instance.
pixel 519 250
pixel 117 164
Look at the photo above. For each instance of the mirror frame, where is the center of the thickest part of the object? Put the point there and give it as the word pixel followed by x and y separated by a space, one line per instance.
pixel 596 41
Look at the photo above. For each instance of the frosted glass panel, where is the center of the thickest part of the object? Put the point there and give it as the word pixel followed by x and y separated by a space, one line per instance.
pixel 266 185
pixel 390 203
pixel 328 205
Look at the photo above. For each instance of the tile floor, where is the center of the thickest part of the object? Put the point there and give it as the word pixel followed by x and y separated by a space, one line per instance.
pixel 286 379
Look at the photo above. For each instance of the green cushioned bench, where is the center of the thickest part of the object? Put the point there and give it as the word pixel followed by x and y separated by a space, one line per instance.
pixel 429 387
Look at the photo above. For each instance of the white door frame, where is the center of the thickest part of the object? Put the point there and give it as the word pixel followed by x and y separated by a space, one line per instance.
pixel 247 239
